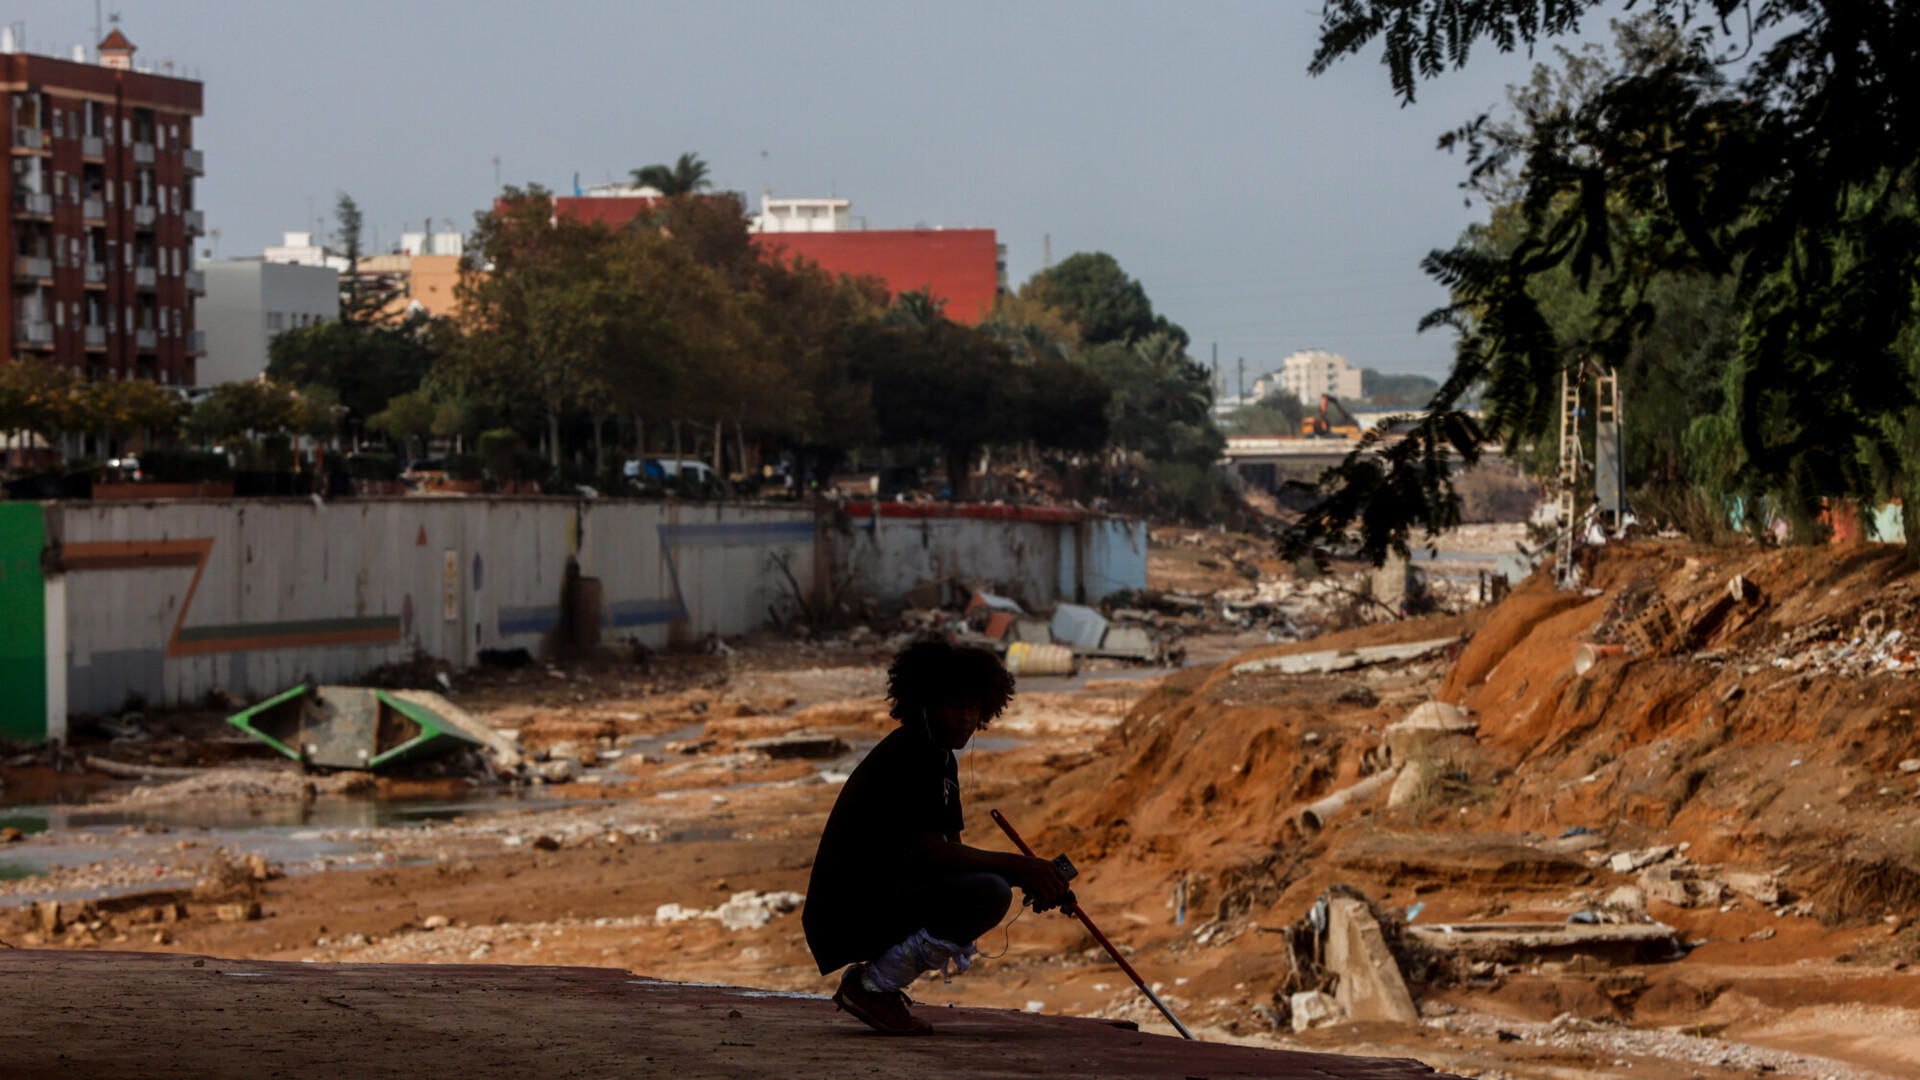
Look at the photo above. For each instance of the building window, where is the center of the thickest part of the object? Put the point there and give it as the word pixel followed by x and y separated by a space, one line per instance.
pixel 276 321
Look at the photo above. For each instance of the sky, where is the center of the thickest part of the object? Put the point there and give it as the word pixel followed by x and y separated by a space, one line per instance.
pixel 1264 209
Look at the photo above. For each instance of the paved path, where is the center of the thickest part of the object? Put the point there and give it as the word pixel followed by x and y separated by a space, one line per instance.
pixel 147 1015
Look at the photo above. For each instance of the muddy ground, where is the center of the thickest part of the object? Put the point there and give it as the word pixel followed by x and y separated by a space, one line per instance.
pixel 1770 741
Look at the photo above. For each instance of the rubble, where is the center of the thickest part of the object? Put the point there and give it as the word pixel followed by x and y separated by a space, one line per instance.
pixel 746 910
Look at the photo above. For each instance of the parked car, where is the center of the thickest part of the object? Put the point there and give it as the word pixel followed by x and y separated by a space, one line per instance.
pixel 670 470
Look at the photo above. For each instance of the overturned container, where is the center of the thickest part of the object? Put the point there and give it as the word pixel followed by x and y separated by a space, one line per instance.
pixel 354 727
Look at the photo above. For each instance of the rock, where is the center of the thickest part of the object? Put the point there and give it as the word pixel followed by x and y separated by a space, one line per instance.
pixel 558 770
pixel 246 911
pixel 545 843
pixel 1911 765
pixel 46 916
pixel 1312 1009
pixel 437 922
pixel 258 870
pixel 9 834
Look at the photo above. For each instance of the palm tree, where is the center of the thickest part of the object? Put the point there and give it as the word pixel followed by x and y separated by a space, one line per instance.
pixel 683 177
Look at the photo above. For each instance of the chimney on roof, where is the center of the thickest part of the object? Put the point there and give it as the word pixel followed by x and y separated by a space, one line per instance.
pixel 116 51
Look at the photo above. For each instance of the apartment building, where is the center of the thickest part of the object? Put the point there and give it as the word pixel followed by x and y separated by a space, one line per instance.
pixel 248 301
pixel 1311 372
pixel 101 216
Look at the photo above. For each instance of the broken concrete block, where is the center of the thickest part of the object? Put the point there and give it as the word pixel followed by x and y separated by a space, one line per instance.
pixel 1764 888
pixel 799 745
pixel 1911 765
pixel 1371 987
pixel 1407 786
pixel 436 922
pixel 559 770
pixel 1129 641
pixel 1628 898
pixel 241 912
pixel 46 916
pixel 1312 1009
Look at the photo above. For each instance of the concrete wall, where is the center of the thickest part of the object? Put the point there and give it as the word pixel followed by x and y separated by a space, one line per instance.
pixel 164 601
pixel 1040 556
pixel 241 294
pixel 167 600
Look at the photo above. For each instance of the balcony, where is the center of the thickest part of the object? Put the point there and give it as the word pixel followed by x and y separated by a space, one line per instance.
pixel 93 209
pixel 145 277
pixel 146 339
pixel 96 338
pixel 143 216
pixel 32 268
pixel 197 282
pixel 96 274
pixel 34 203
pixel 29 138
pixel 196 341
pixel 92 146
pixel 195 221
pixel 143 153
pixel 34 335
pixel 194 161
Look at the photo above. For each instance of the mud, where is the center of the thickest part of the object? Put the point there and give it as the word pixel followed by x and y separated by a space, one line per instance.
pixel 1175 791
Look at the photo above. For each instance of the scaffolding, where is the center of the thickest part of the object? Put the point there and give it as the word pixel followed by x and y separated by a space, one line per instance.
pixel 1609 463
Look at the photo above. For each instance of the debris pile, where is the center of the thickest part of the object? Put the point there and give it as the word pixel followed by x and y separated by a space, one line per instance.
pixel 747 910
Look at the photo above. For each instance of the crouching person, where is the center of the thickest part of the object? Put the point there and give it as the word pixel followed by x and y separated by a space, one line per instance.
pixel 894 892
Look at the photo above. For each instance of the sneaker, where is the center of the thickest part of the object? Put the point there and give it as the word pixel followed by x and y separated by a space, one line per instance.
pixel 885 1012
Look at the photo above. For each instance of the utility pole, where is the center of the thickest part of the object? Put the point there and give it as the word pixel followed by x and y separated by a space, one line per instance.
pixel 1243 380
pixel 1046 253
pixel 1218 386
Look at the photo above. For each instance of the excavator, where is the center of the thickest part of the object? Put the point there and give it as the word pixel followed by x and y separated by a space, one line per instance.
pixel 1318 427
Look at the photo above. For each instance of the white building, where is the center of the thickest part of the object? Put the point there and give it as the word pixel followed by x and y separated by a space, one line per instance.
pixel 1308 374
pixel 802 215
pixel 248 301
pixel 298 249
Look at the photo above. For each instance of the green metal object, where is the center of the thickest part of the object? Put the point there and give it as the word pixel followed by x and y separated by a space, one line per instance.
pixel 351 727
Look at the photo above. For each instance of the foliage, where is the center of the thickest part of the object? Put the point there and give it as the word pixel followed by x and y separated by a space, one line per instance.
pixel 184 467
pixel 945 384
pixel 1764 153
pixel 255 407
pixel 1093 293
pixel 121 408
pixel 366 466
pixel 1278 414
pixel 408 417
pixel 37 396
pixel 1162 400
pixel 1392 390
pixel 365 364
pixel 683 177
pixel 466 467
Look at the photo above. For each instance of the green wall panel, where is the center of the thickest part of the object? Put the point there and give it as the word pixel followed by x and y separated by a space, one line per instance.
pixel 23 612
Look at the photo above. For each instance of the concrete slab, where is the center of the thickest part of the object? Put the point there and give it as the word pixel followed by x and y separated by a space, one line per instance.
pixel 1371 987
pixel 1618 943
pixel 1323 663
pixel 107 1015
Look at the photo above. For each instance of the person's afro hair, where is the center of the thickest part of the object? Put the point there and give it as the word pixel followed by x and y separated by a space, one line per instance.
pixel 929 672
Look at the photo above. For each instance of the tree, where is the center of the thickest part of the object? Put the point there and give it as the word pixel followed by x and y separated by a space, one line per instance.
pixel 366 364
pixel 1790 175
pixel 255 407
pixel 1277 414
pixel 684 177
pixel 1162 400
pixel 1393 390
pixel 408 417
pixel 945 384
pixel 1097 296
pixel 540 320
pixel 364 298
pixel 122 408
pixel 37 396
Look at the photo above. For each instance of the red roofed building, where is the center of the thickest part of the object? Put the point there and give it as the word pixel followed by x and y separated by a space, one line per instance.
pixel 963 267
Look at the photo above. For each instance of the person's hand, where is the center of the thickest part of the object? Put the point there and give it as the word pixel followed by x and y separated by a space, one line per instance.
pixel 1043 882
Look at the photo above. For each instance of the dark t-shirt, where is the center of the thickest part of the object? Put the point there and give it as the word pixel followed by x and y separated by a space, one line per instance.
pixel 871 862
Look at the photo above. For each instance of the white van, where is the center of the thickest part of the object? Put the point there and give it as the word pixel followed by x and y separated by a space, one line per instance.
pixel 662 470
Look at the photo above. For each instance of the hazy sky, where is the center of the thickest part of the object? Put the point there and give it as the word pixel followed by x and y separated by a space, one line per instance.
pixel 1263 209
